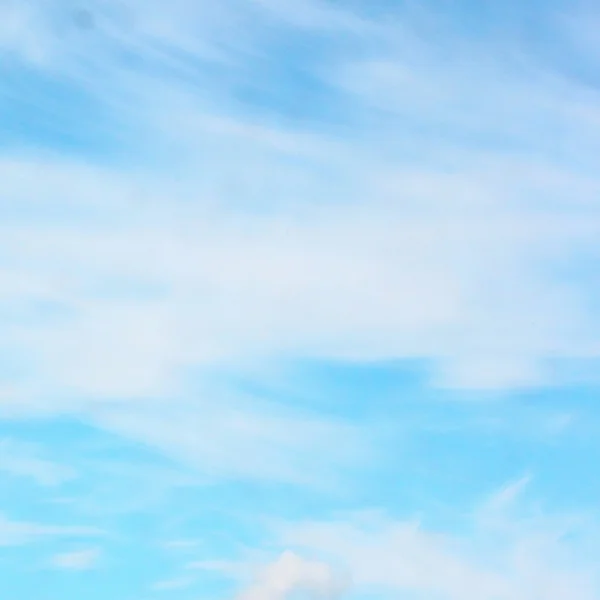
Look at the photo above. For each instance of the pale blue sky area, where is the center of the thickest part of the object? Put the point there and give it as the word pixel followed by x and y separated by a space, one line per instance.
pixel 299 300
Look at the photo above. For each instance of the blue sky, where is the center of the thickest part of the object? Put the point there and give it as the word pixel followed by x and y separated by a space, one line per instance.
pixel 299 299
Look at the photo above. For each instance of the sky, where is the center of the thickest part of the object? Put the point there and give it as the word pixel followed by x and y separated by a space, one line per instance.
pixel 299 300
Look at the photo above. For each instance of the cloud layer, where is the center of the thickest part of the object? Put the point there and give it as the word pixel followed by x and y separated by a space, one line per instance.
pixel 278 276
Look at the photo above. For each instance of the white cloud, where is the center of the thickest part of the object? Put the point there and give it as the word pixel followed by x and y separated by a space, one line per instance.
pixel 291 574
pixel 251 243
pixel 360 254
pixel 248 244
pixel 474 292
pixel 507 556
pixel 79 560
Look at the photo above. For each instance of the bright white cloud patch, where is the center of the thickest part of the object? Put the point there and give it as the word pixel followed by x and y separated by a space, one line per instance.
pixel 290 574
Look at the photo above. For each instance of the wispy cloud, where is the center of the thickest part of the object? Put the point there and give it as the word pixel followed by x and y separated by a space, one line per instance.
pixel 359 254
pixel 79 560
pixel 178 583
pixel 194 190
pixel 15 533
pixel 511 556
pixel 232 437
pixel 23 460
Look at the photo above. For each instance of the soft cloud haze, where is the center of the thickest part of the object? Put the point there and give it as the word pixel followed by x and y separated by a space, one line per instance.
pixel 15 533
pixel 23 461
pixel 79 560
pixel 305 283
pixel 504 556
